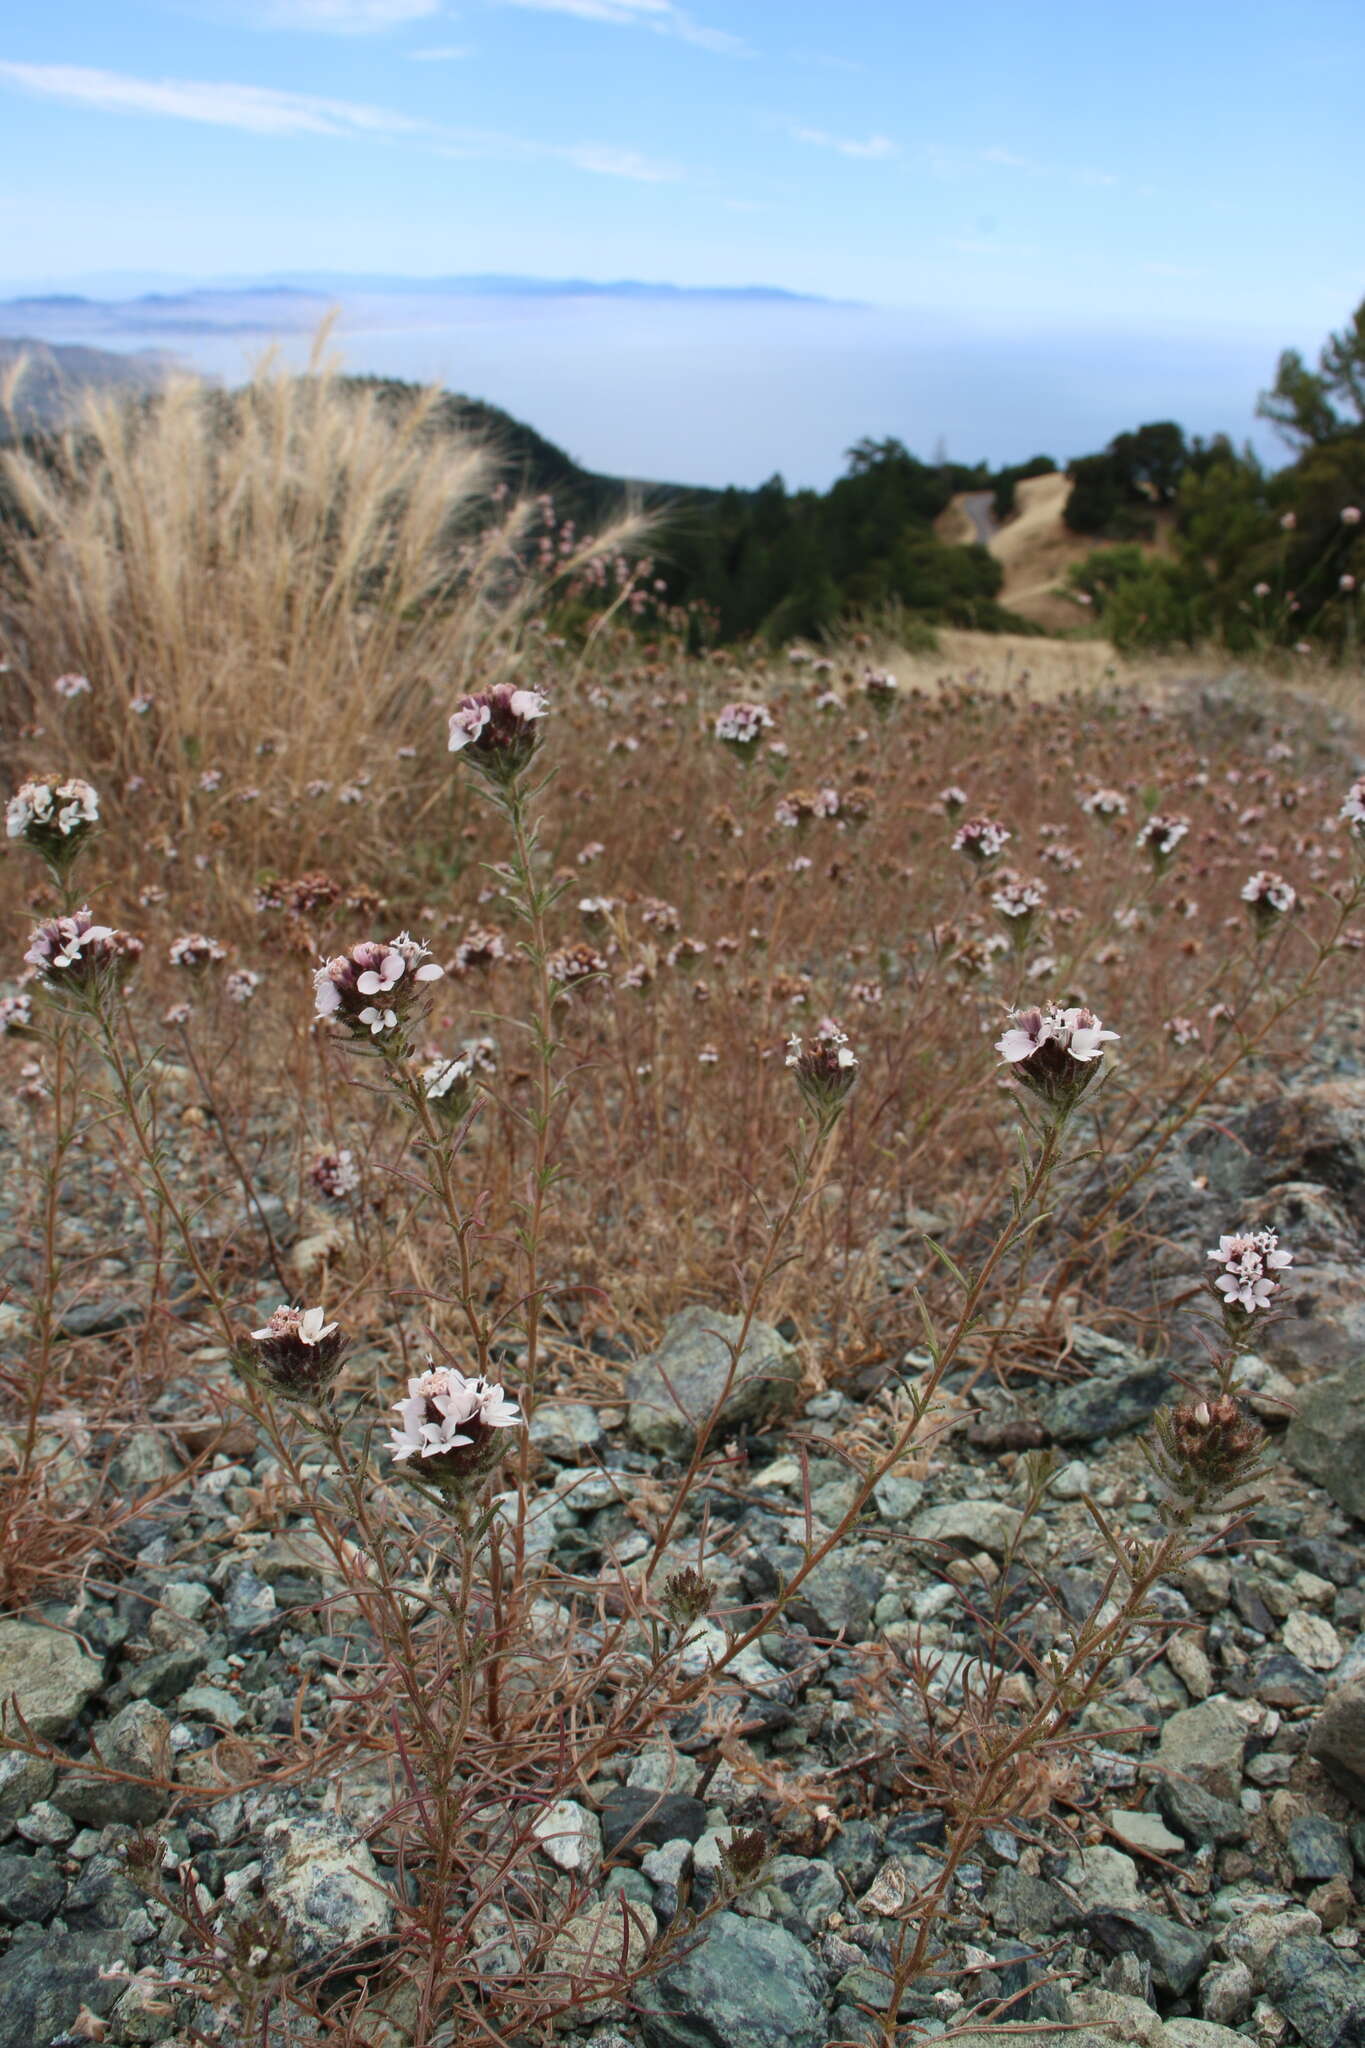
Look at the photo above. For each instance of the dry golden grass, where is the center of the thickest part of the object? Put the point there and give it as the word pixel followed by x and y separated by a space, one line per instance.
pixel 1036 549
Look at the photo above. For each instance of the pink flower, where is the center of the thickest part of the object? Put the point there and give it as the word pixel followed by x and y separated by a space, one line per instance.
pixel 1055 1051
pixel 981 839
pixel 496 727
pixel 448 1424
pixel 1350 515
pixel 396 967
pixel 740 726
pixel 1249 1261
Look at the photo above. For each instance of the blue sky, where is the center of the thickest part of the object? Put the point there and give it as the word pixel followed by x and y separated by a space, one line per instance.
pixel 1080 216
pixel 1178 164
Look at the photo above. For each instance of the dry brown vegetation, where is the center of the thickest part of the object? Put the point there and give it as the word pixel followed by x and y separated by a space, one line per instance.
pixel 275 618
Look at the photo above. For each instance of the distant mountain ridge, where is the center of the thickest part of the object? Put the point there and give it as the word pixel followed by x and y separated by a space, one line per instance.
pixel 43 383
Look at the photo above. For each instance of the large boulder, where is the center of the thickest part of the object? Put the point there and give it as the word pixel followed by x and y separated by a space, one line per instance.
pixel 680 1391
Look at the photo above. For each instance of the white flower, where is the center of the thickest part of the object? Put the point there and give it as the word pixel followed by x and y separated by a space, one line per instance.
pixel 241 985
pixel 1105 803
pixel 740 724
pixel 1249 1261
pixel 1018 899
pixel 1270 891
pixel 38 809
pixel 1076 1031
pixel 981 839
pixel 1353 810
pixel 72 686
pixel 443 1411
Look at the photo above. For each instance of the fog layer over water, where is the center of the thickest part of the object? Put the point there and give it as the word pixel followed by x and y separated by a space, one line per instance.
pixel 702 390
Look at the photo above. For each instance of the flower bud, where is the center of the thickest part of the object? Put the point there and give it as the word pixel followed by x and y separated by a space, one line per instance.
pixel 826 1072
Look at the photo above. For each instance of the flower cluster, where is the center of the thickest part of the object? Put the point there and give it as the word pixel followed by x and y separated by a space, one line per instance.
pixel 195 952
pixel 741 726
pixel 297 1353
pixel 496 729
pixel 374 988
pixel 1248 1262
pixel 447 1082
pixel 76 953
pixel 241 985
pixel 1268 898
pixel 799 806
pixel 1018 901
pixel 53 817
pixel 335 1175
pixel 880 688
pixel 1352 812
pixel 825 1071
pixel 1105 804
pixel 71 686
pixel 1161 835
pixel 480 948
pixel 449 1424
pixel 570 967
pixel 1056 1052
pixel 16 1015
pixel 953 801
pixel 1214 1443
pixel 981 839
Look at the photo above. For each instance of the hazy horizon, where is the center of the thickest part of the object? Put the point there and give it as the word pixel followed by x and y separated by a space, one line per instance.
pixel 672 384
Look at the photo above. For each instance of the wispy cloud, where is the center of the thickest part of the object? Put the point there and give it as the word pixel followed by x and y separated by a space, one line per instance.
pixel 609 162
pixel 261 110
pixel 442 53
pixel 1010 162
pixel 255 109
pixel 329 17
pixel 874 148
pixel 662 16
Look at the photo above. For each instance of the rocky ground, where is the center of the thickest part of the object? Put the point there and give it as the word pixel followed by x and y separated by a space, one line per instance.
pixel 1205 1891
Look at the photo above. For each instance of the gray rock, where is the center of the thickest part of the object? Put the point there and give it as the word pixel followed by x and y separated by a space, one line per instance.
pixel 1338 1740
pixel 143 1461
pixel 46 1825
pixel 612 1936
pixel 1326 1439
pixel 570 1837
pixel 1107 1406
pixel 137 1740
pixel 635 1818
pixel 24 1780
pixel 1176 1954
pixel 105 1898
pixel 1318 1849
pixel 31 1887
pixel 675 1391
pixel 1320 1995
pixel 48 1672
pixel 837 1595
pixel 1200 1815
pixel 1103 1878
pixel 1145 1832
pixel 1019 1904
pixel 970 1525
pixel 324 1884
pixel 250 1604
pixel 44 1984
pixel 745 1981
pixel 1225 1994
pixel 100 1317
pixel 567 1430
pixel 1206 1743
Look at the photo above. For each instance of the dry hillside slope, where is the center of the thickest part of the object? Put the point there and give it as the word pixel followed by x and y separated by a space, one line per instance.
pixel 1035 549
